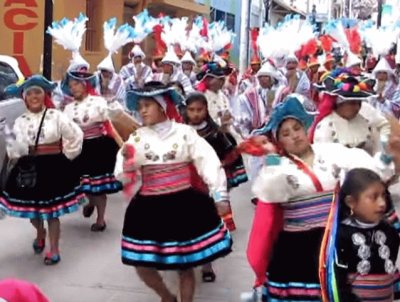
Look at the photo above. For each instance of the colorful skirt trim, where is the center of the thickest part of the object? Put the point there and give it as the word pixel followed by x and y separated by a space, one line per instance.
pixel 293 270
pixel 292 291
pixel 43 210
pixel 236 177
pixel 173 231
pixel 177 255
pixel 95 166
pixel 106 184
pixel 55 193
pixel 374 287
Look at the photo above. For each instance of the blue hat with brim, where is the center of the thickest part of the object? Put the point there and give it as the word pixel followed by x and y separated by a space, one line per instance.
pixel 150 90
pixel 16 90
pixel 78 76
pixel 291 107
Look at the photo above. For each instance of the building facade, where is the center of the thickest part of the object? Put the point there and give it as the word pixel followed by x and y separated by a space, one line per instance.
pixel 22 26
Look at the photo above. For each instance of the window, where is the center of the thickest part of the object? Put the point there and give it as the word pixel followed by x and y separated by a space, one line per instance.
pixel 230 21
pixel 94 33
pixel 219 15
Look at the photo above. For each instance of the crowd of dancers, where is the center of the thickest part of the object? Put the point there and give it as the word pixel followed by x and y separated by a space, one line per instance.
pixel 313 124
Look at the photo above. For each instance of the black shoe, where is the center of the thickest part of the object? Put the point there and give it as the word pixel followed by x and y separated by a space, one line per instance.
pixel 208 277
pixel 98 228
pixel 254 201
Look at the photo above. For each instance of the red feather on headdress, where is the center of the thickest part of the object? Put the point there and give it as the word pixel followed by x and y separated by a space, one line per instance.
pixel 326 42
pixel 204 30
pixel 254 32
pixel 354 38
pixel 160 46
pixel 309 49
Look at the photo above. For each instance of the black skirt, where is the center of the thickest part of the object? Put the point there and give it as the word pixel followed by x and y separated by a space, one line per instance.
pixel 173 231
pixel 96 165
pixel 293 270
pixel 56 191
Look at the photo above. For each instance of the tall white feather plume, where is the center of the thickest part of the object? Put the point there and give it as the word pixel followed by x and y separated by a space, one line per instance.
pixel 381 40
pixel 69 33
pixel 144 24
pixel 114 40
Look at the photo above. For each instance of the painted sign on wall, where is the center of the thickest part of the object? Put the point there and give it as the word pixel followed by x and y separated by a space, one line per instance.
pixel 22 25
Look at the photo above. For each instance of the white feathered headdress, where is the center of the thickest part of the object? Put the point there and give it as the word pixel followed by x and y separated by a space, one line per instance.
pixel 114 40
pixel 69 34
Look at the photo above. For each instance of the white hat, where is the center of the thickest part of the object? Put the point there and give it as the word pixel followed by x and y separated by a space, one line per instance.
pixel 187 57
pixel 268 70
pixel 352 60
pixel 291 57
pixel 171 57
pixel 107 64
pixel 384 66
pixel 137 52
pixel 77 62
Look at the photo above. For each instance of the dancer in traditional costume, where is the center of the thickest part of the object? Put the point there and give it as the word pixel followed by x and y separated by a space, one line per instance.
pixel 297 80
pixel 136 73
pixel 341 121
pixel 111 84
pixel 188 64
pixel 387 98
pixel 256 103
pixel 366 246
pixel 303 177
pixel 93 114
pixel 43 185
pixel 172 72
pixel 165 153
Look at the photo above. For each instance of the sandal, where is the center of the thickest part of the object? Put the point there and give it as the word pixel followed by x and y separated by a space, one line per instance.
pixel 98 227
pixel 208 277
pixel 38 246
pixel 51 259
pixel 87 211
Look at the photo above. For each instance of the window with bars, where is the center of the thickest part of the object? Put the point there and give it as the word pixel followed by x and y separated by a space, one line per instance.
pixel 94 26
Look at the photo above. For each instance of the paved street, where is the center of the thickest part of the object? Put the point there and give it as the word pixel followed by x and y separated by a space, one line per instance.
pixel 91 269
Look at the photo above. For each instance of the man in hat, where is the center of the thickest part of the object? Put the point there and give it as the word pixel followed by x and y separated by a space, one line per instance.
pixel 172 72
pixel 297 80
pixel 111 84
pixel 188 64
pixel 136 73
pixel 249 78
pixel 387 92
pixel 211 83
pixel 257 102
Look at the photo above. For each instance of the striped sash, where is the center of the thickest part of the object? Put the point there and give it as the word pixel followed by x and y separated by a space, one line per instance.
pixel 373 287
pixel 93 131
pixel 307 213
pixel 165 179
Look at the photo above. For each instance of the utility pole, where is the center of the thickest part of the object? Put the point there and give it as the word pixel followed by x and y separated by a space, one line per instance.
pixel 244 35
pixel 47 41
pixel 379 21
pixel 267 4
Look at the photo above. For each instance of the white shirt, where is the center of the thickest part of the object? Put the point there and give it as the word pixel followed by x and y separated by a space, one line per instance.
pixel 285 182
pixel 181 143
pixel 92 110
pixel 56 126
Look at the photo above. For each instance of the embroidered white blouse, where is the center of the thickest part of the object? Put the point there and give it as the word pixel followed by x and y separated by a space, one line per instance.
pixel 56 126
pixel 171 143
pixel 217 104
pixel 285 182
pixel 92 110
pixel 354 133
